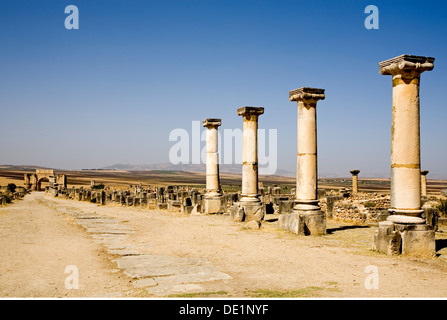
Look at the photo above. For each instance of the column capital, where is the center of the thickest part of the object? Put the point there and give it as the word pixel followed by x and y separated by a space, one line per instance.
pixel 212 123
pixel 247 111
pixel 305 93
pixel 406 64
pixel 424 172
pixel 355 172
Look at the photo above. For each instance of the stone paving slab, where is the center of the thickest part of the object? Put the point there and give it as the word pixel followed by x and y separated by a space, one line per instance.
pixel 160 275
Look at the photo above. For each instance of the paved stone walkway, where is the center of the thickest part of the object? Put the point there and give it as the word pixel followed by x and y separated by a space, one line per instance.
pixel 160 275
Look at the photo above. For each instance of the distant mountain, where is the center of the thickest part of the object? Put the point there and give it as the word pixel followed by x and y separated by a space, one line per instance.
pixel 22 167
pixel 227 168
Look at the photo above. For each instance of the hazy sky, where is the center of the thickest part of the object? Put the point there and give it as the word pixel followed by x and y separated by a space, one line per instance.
pixel 113 90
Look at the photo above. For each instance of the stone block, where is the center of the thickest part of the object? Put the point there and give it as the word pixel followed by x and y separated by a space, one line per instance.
pixel 252 211
pixel 188 209
pixel 196 210
pixel 304 222
pixel 162 206
pixel 431 217
pixel 212 205
pixel 386 239
pixel 285 206
pixel 253 225
pixel 237 213
pixel 417 240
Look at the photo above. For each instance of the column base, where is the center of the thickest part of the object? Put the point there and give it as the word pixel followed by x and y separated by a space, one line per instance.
pixel 306 205
pixel 248 211
pixel 405 212
pixel 304 222
pixel 212 205
pixel 408 239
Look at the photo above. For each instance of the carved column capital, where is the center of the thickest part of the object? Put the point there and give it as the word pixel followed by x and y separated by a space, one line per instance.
pixel 309 95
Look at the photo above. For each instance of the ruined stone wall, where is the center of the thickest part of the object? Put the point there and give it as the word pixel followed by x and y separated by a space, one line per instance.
pixel 360 207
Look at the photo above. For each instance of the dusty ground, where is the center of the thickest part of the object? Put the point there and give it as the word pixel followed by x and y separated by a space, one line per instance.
pixel 38 241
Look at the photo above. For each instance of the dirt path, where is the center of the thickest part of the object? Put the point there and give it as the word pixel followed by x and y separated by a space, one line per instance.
pixel 39 238
pixel 37 244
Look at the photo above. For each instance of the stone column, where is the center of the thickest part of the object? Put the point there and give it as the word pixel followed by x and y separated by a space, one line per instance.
pixel 213 196
pixel 416 238
pixel 307 217
pixel 250 200
pixel 424 183
pixel 355 180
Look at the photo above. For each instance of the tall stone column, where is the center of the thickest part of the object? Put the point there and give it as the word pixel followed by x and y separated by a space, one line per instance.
pixel 405 224
pixel 213 196
pixel 307 217
pixel 250 199
pixel 424 183
pixel 355 180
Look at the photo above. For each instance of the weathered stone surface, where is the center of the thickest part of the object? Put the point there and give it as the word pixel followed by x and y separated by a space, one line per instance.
pixel 253 225
pixel 196 210
pixel 396 218
pixel 213 205
pixel 386 239
pixel 145 283
pixel 252 211
pixel 418 242
pixel 411 240
pixel 239 214
pixel 160 275
pixel 431 216
pixel 285 206
pixel 144 266
pixel 303 223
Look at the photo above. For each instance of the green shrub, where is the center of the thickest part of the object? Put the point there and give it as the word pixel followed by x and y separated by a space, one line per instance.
pixel 370 204
pixel 442 207
pixel 8 198
pixel 11 187
pixel 98 186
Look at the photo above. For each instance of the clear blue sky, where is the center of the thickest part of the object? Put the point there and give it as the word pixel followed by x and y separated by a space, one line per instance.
pixel 111 91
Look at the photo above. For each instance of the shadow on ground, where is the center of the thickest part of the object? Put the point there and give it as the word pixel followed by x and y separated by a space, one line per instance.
pixel 341 228
pixel 441 244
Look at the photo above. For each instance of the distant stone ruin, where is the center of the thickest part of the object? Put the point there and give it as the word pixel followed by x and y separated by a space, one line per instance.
pixel 33 181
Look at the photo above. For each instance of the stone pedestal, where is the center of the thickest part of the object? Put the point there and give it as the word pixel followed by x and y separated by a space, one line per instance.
pixel 213 198
pixel 212 205
pixel 408 239
pixel 307 217
pixel 405 232
pixel 250 200
pixel 303 222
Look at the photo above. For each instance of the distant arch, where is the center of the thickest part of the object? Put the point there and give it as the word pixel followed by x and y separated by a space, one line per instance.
pixel 39 183
pixel 33 181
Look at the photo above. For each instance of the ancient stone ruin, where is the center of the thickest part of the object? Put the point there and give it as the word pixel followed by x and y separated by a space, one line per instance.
pixel 405 231
pixel 307 217
pixel 33 181
pixel 404 225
